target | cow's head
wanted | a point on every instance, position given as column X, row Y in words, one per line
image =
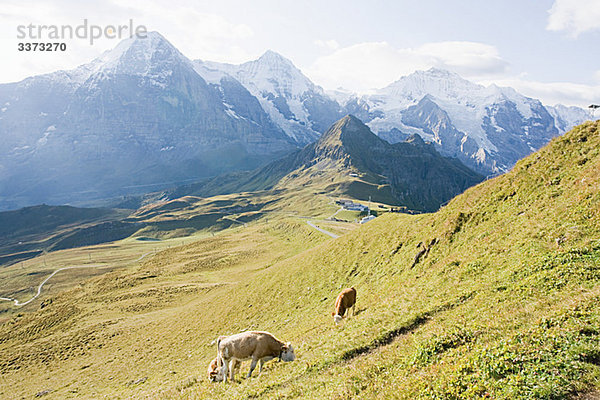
column 214, row 372
column 215, row 376
column 287, row 352
column 337, row 319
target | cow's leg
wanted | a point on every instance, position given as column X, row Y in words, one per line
column 353, row 309
column 252, row 366
column 236, row 365
column 260, row 364
column 224, row 370
column 233, row 365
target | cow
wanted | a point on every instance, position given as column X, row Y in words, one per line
column 215, row 366
column 345, row 300
column 257, row 346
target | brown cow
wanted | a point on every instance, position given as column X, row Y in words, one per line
column 258, row 346
column 345, row 300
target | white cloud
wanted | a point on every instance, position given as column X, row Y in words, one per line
column 330, row 44
column 360, row 67
column 196, row 34
column 574, row 16
column 370, row 65
column 366, row 66
column 551, row 93
column 469, row 59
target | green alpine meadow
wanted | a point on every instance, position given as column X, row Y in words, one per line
column 495, row 295
column 299, row 200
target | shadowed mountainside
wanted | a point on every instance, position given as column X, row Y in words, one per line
column 349, row 159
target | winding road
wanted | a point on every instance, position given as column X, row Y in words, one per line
column 336, row 213
column 333, row 235
column 39, row 289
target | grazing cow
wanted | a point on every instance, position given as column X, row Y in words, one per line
column 258, row 346
column 215, row 366
column 345, row 300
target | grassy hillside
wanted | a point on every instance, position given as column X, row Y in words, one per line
column 497, row 295
column 31, row 230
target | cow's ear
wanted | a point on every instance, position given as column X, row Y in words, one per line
column 284, row 347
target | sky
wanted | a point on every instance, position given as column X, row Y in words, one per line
column 546, row 49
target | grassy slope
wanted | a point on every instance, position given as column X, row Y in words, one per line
column 38, row 228
column 505, row 304
column 35, row 230
column 31, row 220
column 94, row 338
column 497, row 307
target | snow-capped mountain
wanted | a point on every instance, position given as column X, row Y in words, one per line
column 298, row 106
column 134, row 119
column 488, row 128
column 142, row 116
column 567, row 117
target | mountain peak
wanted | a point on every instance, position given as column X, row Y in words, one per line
column 406, row 171
column 135, row 55
column 350, row 133
column 439, row 72
column 435, row 82
column 275, row 74
column 152, row 41
column 350, row 119
column 350, row 122
column 274, row 63
column 271, row 56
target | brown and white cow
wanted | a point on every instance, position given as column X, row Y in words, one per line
column 215, row 366
column 345, row 300
column 257, row 346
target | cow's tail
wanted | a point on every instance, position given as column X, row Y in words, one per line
column 219, row 355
